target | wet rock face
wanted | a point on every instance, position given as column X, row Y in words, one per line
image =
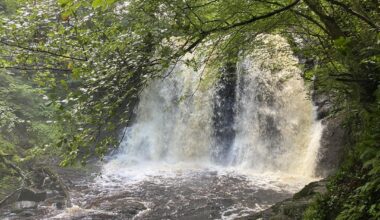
column 334, row 140
column 294, row 208
column 28, row 202
column 22, row 204
column 121, row 208
column 112, row 208
column 323, row 104
column 224, row 113
column 335, row 137
column 28, row 194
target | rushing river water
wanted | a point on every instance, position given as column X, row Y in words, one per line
column 180, row 193
column 221, row 150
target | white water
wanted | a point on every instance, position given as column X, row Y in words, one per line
column 173, row 123
column 170, row 162
column 274, row 120
column 275, row 127
column 171, row 147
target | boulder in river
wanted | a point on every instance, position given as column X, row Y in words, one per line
column 293, row 208
column 47, row 190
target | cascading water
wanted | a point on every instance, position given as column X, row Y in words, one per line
column 173, row 122
column 217, row 151
column 274, row 119
column 258, row 119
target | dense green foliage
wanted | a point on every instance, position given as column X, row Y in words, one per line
column 27, row 130
column 25, row 120
column 94, row 57
column 95, row 60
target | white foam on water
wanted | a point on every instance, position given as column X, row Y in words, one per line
column 237, row 211
column 113, row 176
column 172, row 140
column 78, row 212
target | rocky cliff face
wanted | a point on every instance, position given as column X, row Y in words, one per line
column 224, row 113
column 335, row 137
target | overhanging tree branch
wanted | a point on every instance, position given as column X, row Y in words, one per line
column 256, row 18
column 35, row 50
column 200, row 6
column 253, row 19
column 307, row 17
column 330, row 23
column 25, row 179
column 34, row 68
column 358, row 15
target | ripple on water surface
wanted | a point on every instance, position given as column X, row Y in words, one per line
column 179, row 192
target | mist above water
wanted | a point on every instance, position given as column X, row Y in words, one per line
column 258, row 118
column 219, row 149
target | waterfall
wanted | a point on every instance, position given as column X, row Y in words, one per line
column 174, row 121
column 257, row 116
column 274, row 119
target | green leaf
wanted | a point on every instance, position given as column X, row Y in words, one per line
column 98, row 3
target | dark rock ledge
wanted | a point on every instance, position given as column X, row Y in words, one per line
column 47, row 189
column 293, row 208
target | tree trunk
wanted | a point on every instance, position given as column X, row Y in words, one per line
column 332, row 27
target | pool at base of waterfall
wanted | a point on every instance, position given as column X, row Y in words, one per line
column 178, row 192
column 255, row 118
